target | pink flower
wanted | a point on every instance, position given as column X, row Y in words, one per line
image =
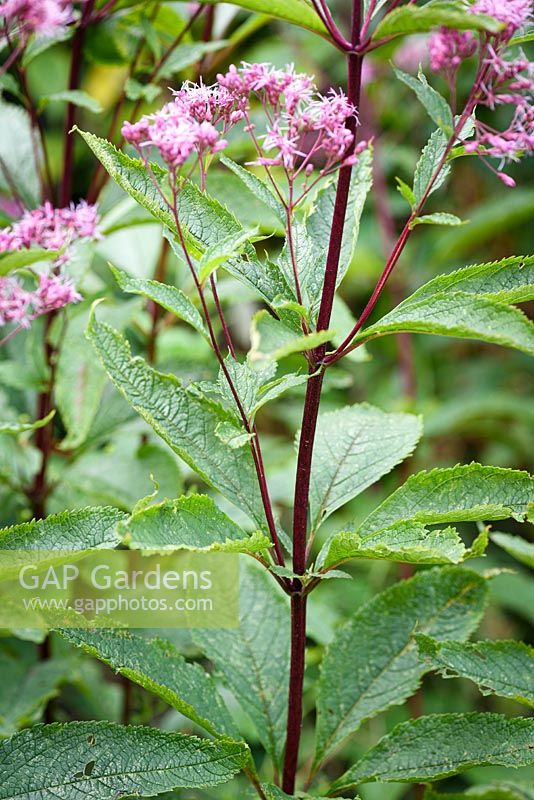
column 19, row 306
column 42, row 17
column 514, row 13
column 51, row 228
column 53, row 292
column 448, row 48
column 14, row 302
column 190, row 125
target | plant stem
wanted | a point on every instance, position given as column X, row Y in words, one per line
column 309, row 426
column 44, row 437
column 296, row 679
column 70, row 118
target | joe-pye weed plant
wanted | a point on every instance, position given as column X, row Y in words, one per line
column 313, row 171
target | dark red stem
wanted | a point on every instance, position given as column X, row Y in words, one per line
column 309, row 426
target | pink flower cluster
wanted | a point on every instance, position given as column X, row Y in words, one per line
column 194, row 123
column 500, row 82
column 43, row 17
column 48, row 228
column 51, row 229
column 21, row 306
column 448, row 48
column 301, row 124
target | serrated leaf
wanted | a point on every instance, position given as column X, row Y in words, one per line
column 85, row 529
column 258, row 187
column 132, row 176
column 458, row 314
column 168, row 297
column 436, row 106
column 410, row 543
column 372, row 663
column 299, row 12
column 439, row 218
column 158, row 667
column 516, row 547
column 271, row 340
column 20, row 427
column 465, row 493
column 223, row 251
column 74, row 96
column 184, row 421
column 192, row 522
column 102, row 759
column 510, row 280
column 434, row 747
column 253, row 659
column 421, row 19
column 502, row 668
column 354, row 447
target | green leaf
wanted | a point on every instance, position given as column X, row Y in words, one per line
column 102, row 759
column 516, row 547
column 185, row 55
column 192, row 522
column 184, row 421
column 502, row 668
column 439, row 218
column 74, row 96
column 510, row 280
column 299, row 12
column 432, row 158
column 159, row 668
column 134, row 90
column 224, row 251
column 407, row 542
column 434, row 747
column 19, row 150
column 258, row 187
column 437, row 107
column 372, row 663
column 88, row 528
column 450, row 13
column 25, row 258
column 20, row 427
column 168, row 297
column 405, row 190
column 396, row 529
column 132, row 176
column 466, row 493
column 36, row 684
column 272, row 340
column 459, row 314
column 253, row 659
column 354, row 447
